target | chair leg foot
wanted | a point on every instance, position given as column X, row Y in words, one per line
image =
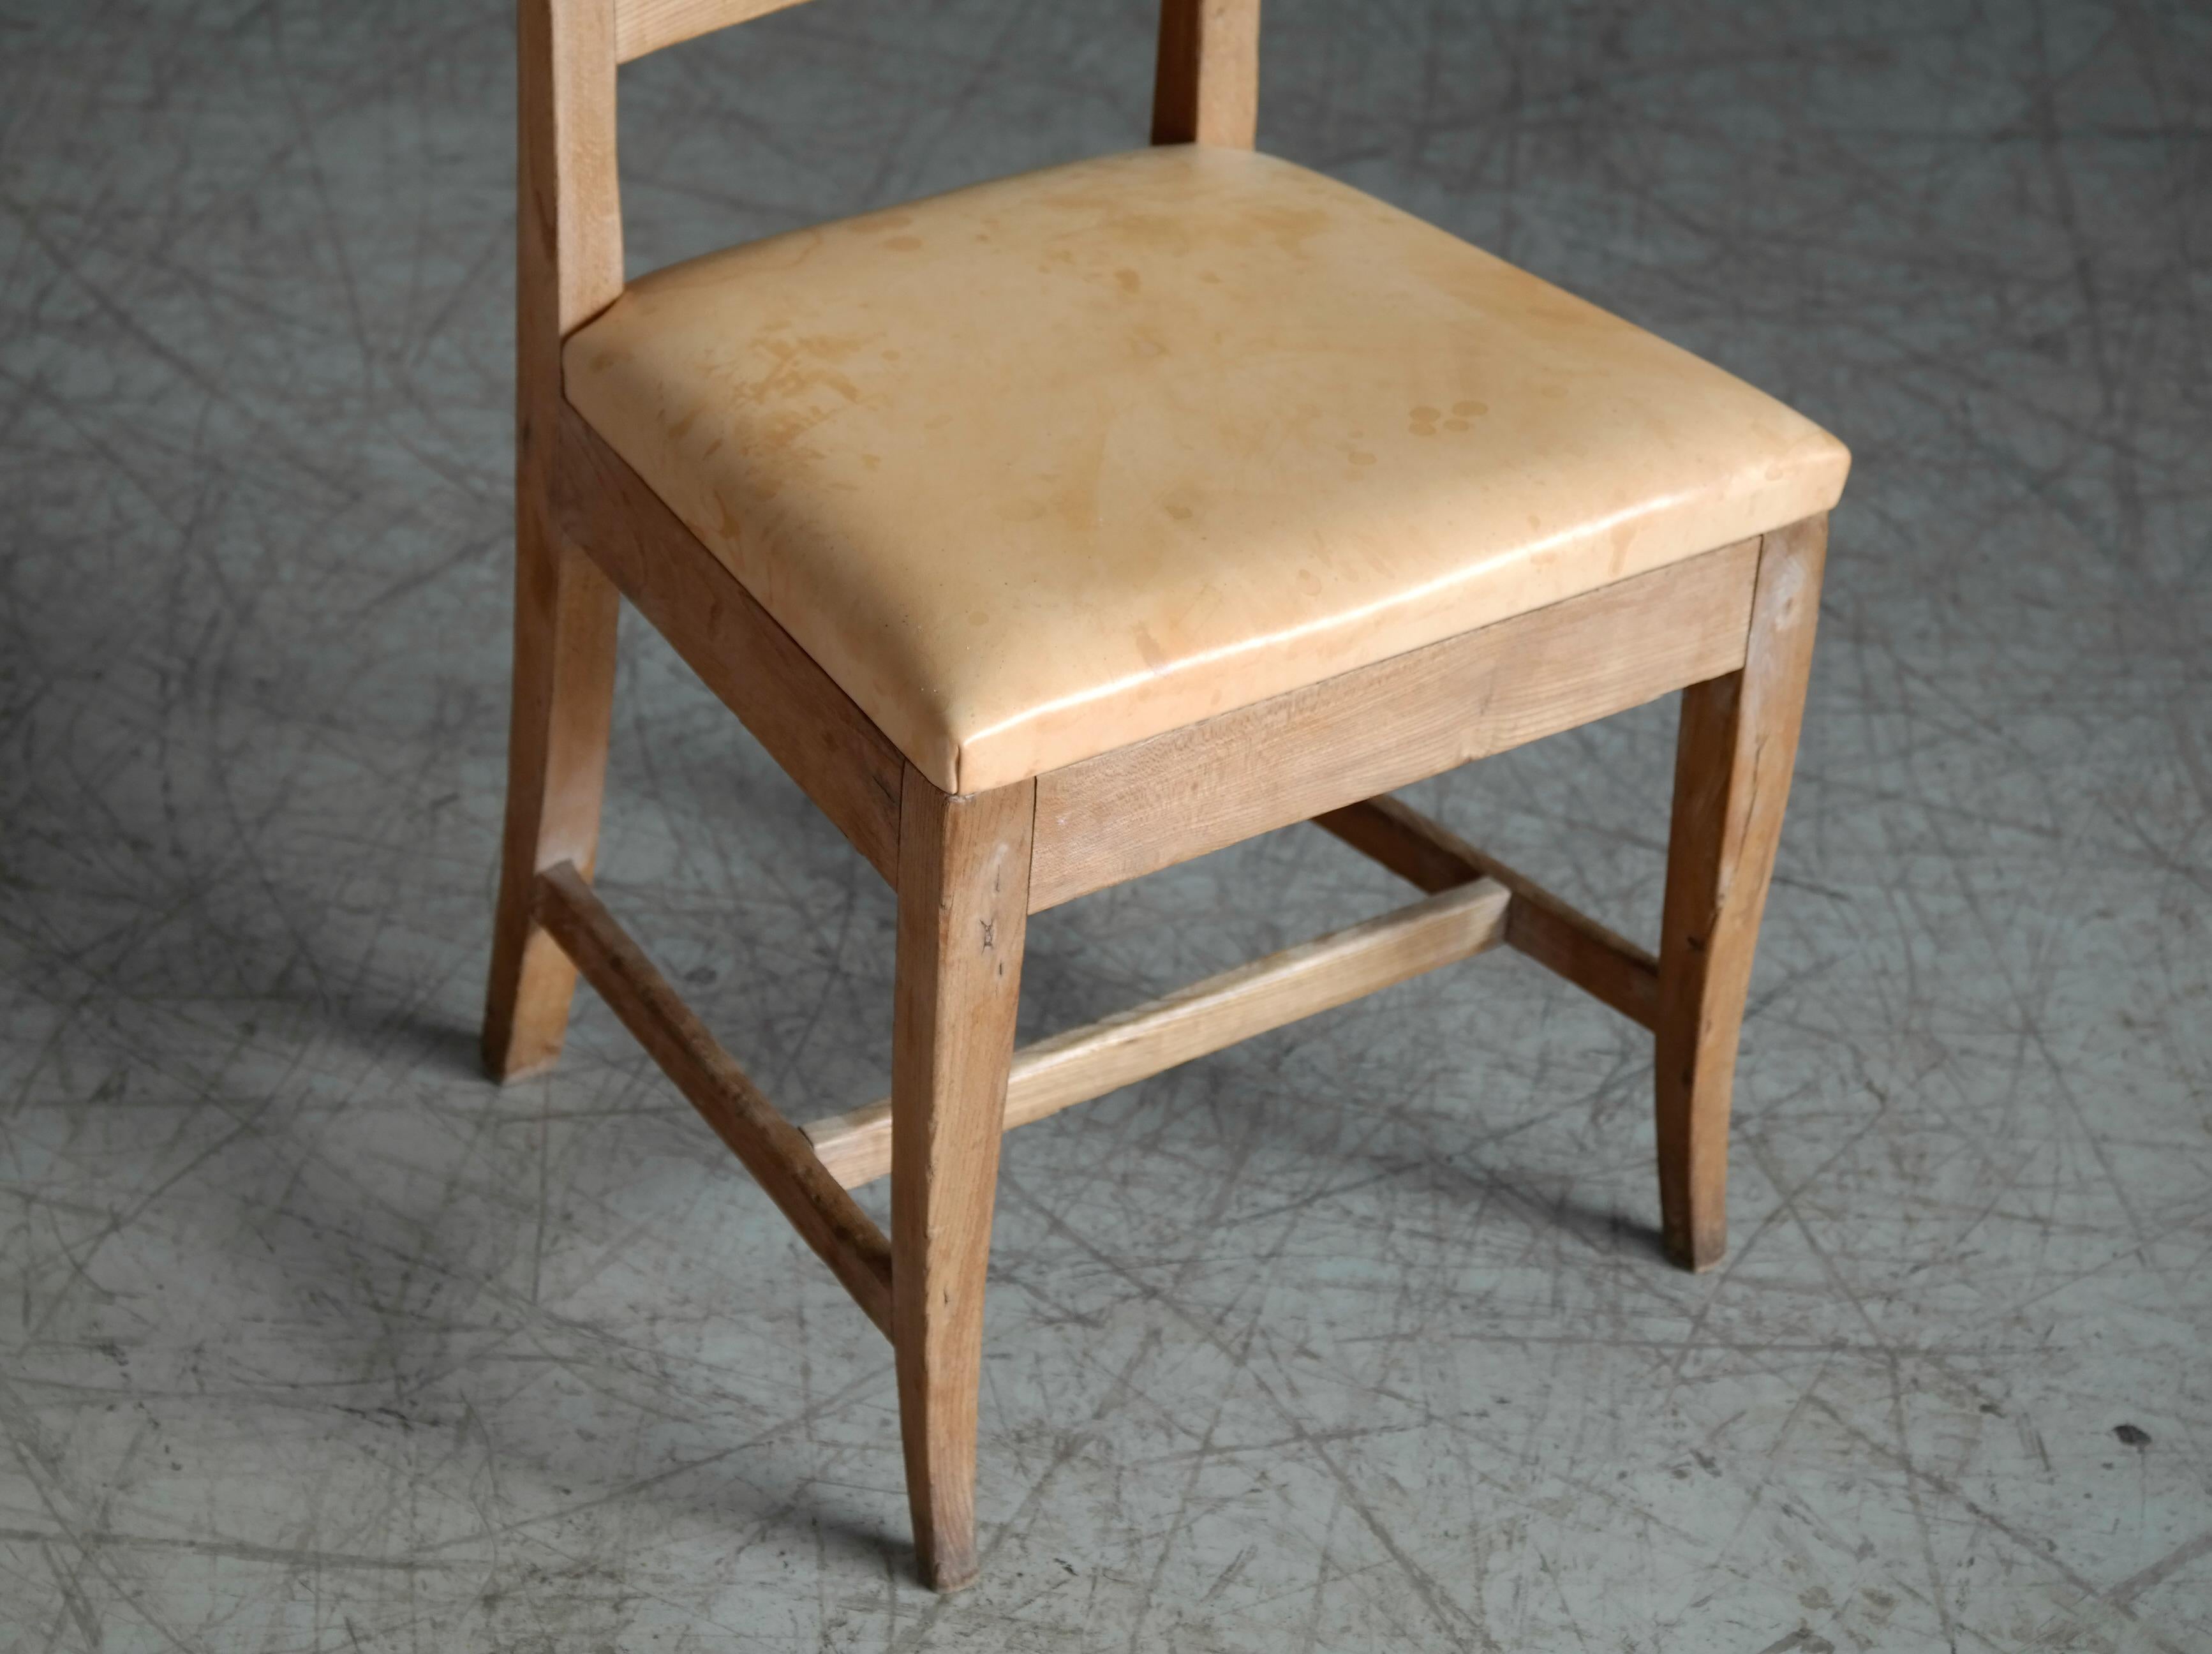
column 1737, row 747
column 1696, row 1250
column 565, row 619
column 962, row 916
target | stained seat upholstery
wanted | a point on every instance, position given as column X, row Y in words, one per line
column 1045, row 466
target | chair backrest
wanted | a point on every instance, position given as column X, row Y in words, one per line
column 1205, row 90
column 569, row 222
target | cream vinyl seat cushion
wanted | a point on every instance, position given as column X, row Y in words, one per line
column 1045, row 466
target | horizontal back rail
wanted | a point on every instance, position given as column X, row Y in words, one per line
column 643, row 27
column 1140, row 808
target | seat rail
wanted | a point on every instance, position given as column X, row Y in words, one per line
column 1289, row 758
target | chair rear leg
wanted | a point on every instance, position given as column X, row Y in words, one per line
column 963, row 914
column 565, row 618
column 1732, row 767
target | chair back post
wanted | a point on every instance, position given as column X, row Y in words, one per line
column 1207, row 87
column 568, row 213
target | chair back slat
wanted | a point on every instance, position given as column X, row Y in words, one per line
column 645, row 25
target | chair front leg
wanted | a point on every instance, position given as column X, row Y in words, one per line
column 962, row 914
column 1732, row 761
column 565, row 615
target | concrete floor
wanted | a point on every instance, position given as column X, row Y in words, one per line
column 1352, row 1338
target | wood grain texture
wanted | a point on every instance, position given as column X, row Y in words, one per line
column 962, row 918
column 1734, row 757
column 569, row 217
column 779, row 1157
column 1290, row 758
column 566, row 618
column 1561, row 937
column 1205, row 86
column 808, row 726
column 569, row 267
column 1081, row 1063
column 645, row 25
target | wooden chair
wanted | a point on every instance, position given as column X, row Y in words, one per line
column 1055, row 531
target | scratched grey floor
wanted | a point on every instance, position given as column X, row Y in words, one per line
column 1352, row 1339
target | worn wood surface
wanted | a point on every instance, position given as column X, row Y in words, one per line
column 569, row 216
column 777, row 1154
column 1205, row 86
column 1734, row 757
column 1080, row 1063
column 645, row 25
column 1557, row 935
column 810, row 726
column 379, row 1315
column 962, row 918
column 1291, row 757
column 569, row 267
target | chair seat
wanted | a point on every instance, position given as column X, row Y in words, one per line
column 1045, row 466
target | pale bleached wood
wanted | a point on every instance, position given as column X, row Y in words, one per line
column 565, row 623
column 569, row 268
column 777, row 1154
column 1734, row 758
column 1080, row 1063
column 645, row 25
column 1561, row 937
column 970, row 869
column 1205, row 83
column 569, row 217
column 962, row 918
column 1146, row 807
column 808, row 726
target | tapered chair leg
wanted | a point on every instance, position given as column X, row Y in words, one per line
column 565, row 618
column 1732, row 766
column 962, row 914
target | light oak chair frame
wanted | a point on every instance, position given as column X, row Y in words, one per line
column 1732, row 629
